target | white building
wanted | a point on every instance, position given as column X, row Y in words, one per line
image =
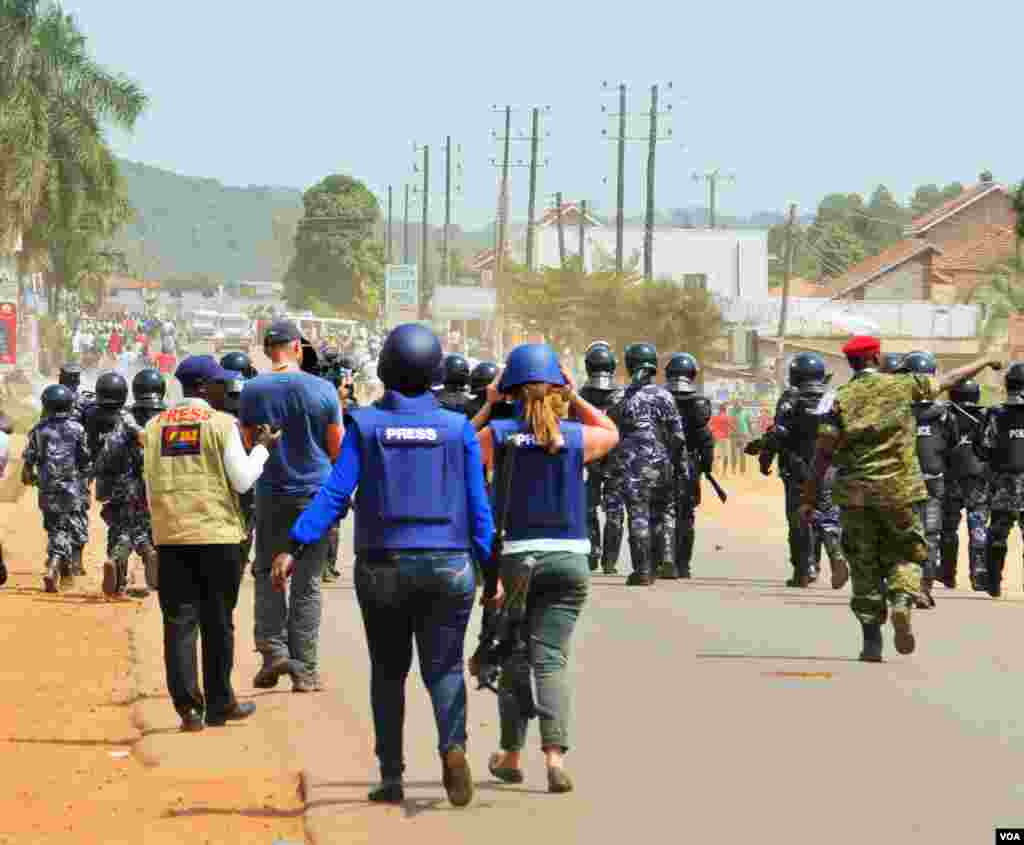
column 729, row 263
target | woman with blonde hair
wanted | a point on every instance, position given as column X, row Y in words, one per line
column 540, row 491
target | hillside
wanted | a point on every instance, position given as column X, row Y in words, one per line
column 187, row 226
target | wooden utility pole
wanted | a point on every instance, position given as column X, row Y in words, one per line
column 424, row 256
column 446, row 271
column 649, row 222
column 620, row 200
column 405, row 227
column 389, row 254
column 780, row 355
column 503, row 198
column 534, row 144
column 561, row 230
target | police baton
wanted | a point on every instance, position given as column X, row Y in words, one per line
column 719, row 491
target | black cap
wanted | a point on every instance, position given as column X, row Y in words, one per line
column 282, row 331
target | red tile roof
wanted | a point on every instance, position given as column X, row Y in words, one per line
column 921, row 224
column 862, row 274
column 996, row 244
column 802, row 287
column 550, row 217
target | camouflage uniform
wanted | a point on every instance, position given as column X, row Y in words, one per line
column 596, row 475
column 967, row 488
column 695, row 411
column 80, row 521
column 826, row 521
column 878, row 482
column 59, row 455
column 640, row 477
column 125, row 510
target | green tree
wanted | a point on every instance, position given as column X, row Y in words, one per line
column 885, row 220
column 59, row 182
column 926, row 198
column 837, row 248
column 952, row 191
column 337, row 262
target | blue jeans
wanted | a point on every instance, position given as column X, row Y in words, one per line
column 427, row 596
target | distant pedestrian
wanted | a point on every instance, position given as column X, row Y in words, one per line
column 721, row 425
column 740, row 436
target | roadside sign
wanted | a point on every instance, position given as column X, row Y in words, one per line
column 401, row 294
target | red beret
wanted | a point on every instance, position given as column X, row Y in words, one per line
column 861, row 346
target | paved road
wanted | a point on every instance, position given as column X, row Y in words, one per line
column 724, row 709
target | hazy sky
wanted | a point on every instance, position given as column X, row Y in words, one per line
column 797, row 98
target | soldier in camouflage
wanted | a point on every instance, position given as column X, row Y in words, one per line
column 695, row 411
column 870, row 435
column 967, row 489
column 641, row 470
column 119, row 475
column 602, row 392
column 935, row 440
column 56, row 459
column 1002, row 446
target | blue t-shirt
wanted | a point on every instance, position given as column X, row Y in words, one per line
column 302, row 406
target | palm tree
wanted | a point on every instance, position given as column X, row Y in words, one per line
column 58, row 178
column 1002, row 299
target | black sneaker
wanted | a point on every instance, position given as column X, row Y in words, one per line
column 241, row 710
column 388, row 791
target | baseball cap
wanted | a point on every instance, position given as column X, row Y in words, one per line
column 200, row 368
column 282, row 331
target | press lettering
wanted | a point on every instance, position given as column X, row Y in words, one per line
column 524, row 440
column 410, row 435
column 1016, row 433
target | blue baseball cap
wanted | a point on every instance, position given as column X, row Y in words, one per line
column 200, row 368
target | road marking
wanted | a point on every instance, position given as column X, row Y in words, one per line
column 827, row 676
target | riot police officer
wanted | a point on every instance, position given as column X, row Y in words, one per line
column 57, row 458
column 967, row 488
column 935, row 440
column 70, row 376
column 602, row 392
column 695, row 410
column 1002, row 446
column 641, row 470
column 891, row 362
column 455, row 393
column 414, row 575
column 792, row 439
column 480, row 378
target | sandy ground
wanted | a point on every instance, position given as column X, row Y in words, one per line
column 70, row 714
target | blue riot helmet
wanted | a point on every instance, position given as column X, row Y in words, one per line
column 531, row 363
column 966, row 392
column 922, row 363
column 483, row 375
column 600, row 364
column 891, row 362
column 58, row 399
column 410, row 359
column 680, row 373
column 641, row 356
column 806, row 368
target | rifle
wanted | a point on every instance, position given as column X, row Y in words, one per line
column 723, row 497
column 502, row 651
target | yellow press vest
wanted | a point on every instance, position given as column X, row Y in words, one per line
column 191, row 500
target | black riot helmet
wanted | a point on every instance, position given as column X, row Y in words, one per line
column 641, row 356
column 58, row 399
column 681, row 372
column 922, row 363
column 238, row 362
column 600, row 364
column 966, row 392
column 111, row 390
column 483, row 374
column 1014, row 381
column 70, row 376
column 891, row 362
column 456, row 371
column 409, row 359
column 148, row 389
column 806, row 368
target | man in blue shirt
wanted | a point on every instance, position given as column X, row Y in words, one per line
column 306, row 409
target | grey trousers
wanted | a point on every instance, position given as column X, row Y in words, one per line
column 287, row 624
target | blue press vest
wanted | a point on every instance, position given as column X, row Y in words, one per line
column 412, row 487
column 548, row 497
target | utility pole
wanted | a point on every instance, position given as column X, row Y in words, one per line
column 424, row 256
column 534, row 140
column 389, row 254
column 561, row 230
column 620, row 200
column 713, row 177
column 583, row 234
column 446, row 273
column 405, row 227
column 780, row 355
column 499, row 249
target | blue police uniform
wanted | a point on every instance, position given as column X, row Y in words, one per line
column 421, row 512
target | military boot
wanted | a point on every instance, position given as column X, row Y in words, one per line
column 77, row 567
column 948, row 553
column 872, row 651
column 594, row 562
column 67, row 575
column 903, row 632
column 684, row 552
column 641, row 575
column 109, row 585
column 612, row 548
column 662, row 553
column 996, row 559
column 978, row 570
column 51, row 578
column 151, row 566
